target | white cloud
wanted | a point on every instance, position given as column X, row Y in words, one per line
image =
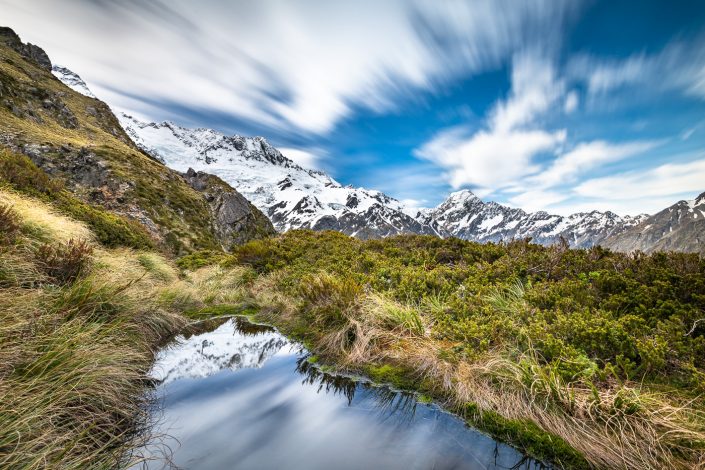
column 488, row 160
column 665, row 180
column 289, row 65
column 571, row 102
column 305, row 158
column 535, row 200
column 585, row 156
column 498, row 156
column 678, row 66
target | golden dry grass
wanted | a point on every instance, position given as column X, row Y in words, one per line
column 39, row 215
column 74, row 358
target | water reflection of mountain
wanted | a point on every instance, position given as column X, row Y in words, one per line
column 235, row 344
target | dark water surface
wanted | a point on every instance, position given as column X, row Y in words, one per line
column 242, row 396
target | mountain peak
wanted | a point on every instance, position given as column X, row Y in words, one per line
column 461, row 196
column 700, row 199
column 72, row 80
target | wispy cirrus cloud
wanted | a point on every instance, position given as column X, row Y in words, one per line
column 678, row 66
column 501, row 159
column 664, row 180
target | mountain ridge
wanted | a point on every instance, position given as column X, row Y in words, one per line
column 297, row 197
column 290, row 195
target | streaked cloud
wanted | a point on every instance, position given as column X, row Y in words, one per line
column 678, row 66
column 290, row 65
column 664, row 180
column 586, row 156
column 305, row 158
column 517, row 100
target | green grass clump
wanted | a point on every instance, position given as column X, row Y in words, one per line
column 200, row 259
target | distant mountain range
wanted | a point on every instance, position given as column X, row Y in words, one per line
column 296, row 197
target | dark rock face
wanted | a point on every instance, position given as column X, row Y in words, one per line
column 28, row 51
column 235, row 220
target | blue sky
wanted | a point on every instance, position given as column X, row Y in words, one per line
column 554, row 105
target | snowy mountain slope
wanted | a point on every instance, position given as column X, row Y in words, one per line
column 72, row 80
column 680, row 227
column 291, row 196
column 466, row 216
column 294, row 197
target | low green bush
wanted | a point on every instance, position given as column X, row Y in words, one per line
column 593, row 314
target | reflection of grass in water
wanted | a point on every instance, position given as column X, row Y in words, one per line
column 336, row 384
column 387, row 402
column 392, row 403
column 247, row 328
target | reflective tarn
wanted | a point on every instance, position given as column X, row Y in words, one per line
column 243, row 396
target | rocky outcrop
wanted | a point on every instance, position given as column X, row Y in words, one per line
column 29, row 51
column 235, row 220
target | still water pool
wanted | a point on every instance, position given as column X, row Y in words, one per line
column 242, row 396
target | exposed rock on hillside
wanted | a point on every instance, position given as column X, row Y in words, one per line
column 29, row 51
column 235, row 220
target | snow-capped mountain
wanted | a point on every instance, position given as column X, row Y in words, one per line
column 72, row 80
column 680, row 227
column 291, row 196
column 466, row 216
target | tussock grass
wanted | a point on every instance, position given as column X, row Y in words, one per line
column 43, row 220
column 9, row 225
column 78, row 328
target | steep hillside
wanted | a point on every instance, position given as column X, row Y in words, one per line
column 78, row 142
column 680, row 227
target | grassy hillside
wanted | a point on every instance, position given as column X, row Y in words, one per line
column 552, row 349
column 78, row 141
